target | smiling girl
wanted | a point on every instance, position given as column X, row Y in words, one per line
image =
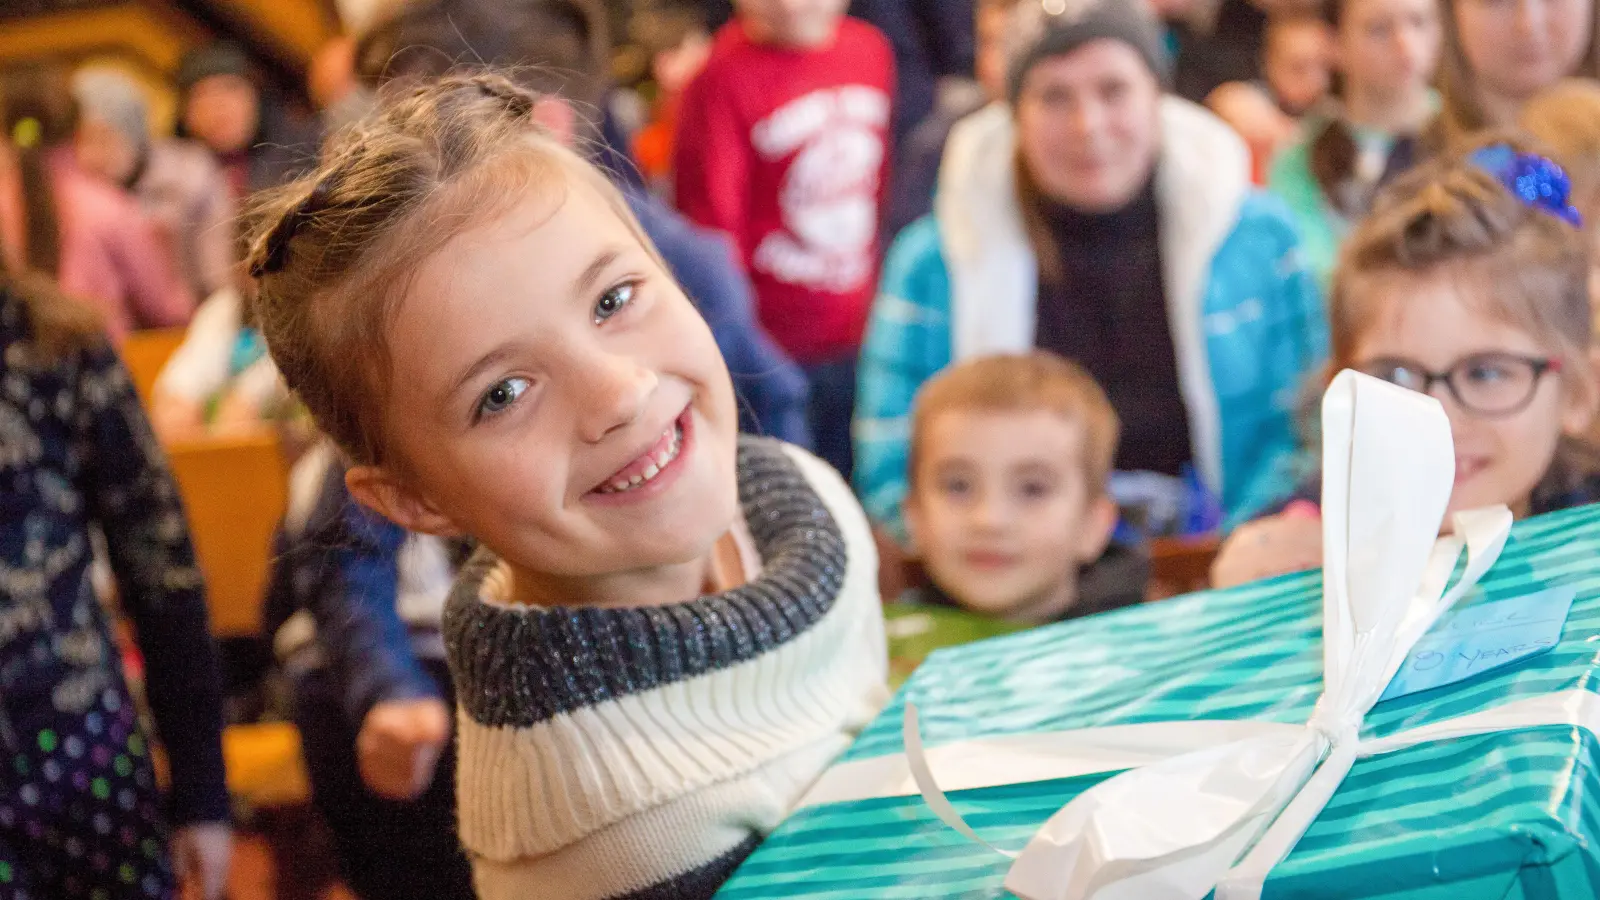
column 670, row 629
column 1457, row 287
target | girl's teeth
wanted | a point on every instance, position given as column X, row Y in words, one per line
column 660, row 462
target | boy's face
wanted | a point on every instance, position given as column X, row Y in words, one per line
column 105, row 151
column 1002, row 514
column 223, row 111
column 991, row 22
column 802, row 24
column 557, row 397
column 1298, row 64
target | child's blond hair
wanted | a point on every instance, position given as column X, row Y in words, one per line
column 1022, row 383
column 335, row 251
column 1526, row 267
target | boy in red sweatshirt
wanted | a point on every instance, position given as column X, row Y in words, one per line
column 784, row 144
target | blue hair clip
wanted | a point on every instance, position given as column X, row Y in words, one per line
column 1537, row 182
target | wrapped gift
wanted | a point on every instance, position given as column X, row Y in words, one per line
column 1235, row 739
column 916, row 630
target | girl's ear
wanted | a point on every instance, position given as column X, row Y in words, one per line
column 381, row 492
column 1583, row 397
column 558, row 117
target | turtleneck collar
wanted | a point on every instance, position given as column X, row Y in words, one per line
column 1140, row 216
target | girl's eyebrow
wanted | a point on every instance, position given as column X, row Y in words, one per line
column 488, row 361
column 587, row 278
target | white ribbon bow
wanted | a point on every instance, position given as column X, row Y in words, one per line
column 1176, row 829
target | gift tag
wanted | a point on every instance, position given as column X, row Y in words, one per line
column 1483, row 636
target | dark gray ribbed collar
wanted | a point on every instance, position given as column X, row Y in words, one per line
column 519, row 666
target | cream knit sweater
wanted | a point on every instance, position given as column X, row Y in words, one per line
column 643, row 753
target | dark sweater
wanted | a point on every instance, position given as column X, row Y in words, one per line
column 1109, row 313
column 75, row 452
column 652, row 747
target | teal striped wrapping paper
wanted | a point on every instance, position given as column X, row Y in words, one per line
column 1512, row 814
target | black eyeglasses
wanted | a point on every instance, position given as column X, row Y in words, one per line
column 1485, row 384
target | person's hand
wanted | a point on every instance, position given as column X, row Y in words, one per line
column 1251, row 113
column 1276, row 545
column 399, row 746
column 201, row 855
column 175, row 418
column 236, row 412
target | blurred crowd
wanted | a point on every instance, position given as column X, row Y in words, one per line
column 1049, row 282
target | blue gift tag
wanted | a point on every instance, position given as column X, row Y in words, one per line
column 1483, row 636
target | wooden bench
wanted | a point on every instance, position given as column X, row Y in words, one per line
column 1181, row 565
column 235, row 489
column 145, row 353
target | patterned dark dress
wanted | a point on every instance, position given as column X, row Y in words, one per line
column 80, row 812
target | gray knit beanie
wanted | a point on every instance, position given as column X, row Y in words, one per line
column 115, row 99
column 1041, row 29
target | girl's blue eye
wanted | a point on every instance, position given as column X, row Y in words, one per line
column 500, row 397
column 613, row 301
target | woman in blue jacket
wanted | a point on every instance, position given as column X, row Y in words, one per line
column 1095, row 217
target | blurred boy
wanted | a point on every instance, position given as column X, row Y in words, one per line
column 790, row 123
column 1297, row 73
column 1008, row 509
column 1297, row 62
column 674, row 34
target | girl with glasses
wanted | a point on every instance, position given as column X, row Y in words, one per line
column 1468, row 282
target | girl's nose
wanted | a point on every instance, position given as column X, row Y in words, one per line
column 618, row 393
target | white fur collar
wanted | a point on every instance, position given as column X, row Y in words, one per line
column 1202, row 178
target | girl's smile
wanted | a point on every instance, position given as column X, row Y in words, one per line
column 564, row 403
column 1504, row 448
column 653, row 471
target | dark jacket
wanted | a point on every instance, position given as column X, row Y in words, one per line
column 342, row 566
column 932, row 39
column 916, row 169
column 77, row 452
column 1230, row 52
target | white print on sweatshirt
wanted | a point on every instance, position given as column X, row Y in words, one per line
column 829, row 197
